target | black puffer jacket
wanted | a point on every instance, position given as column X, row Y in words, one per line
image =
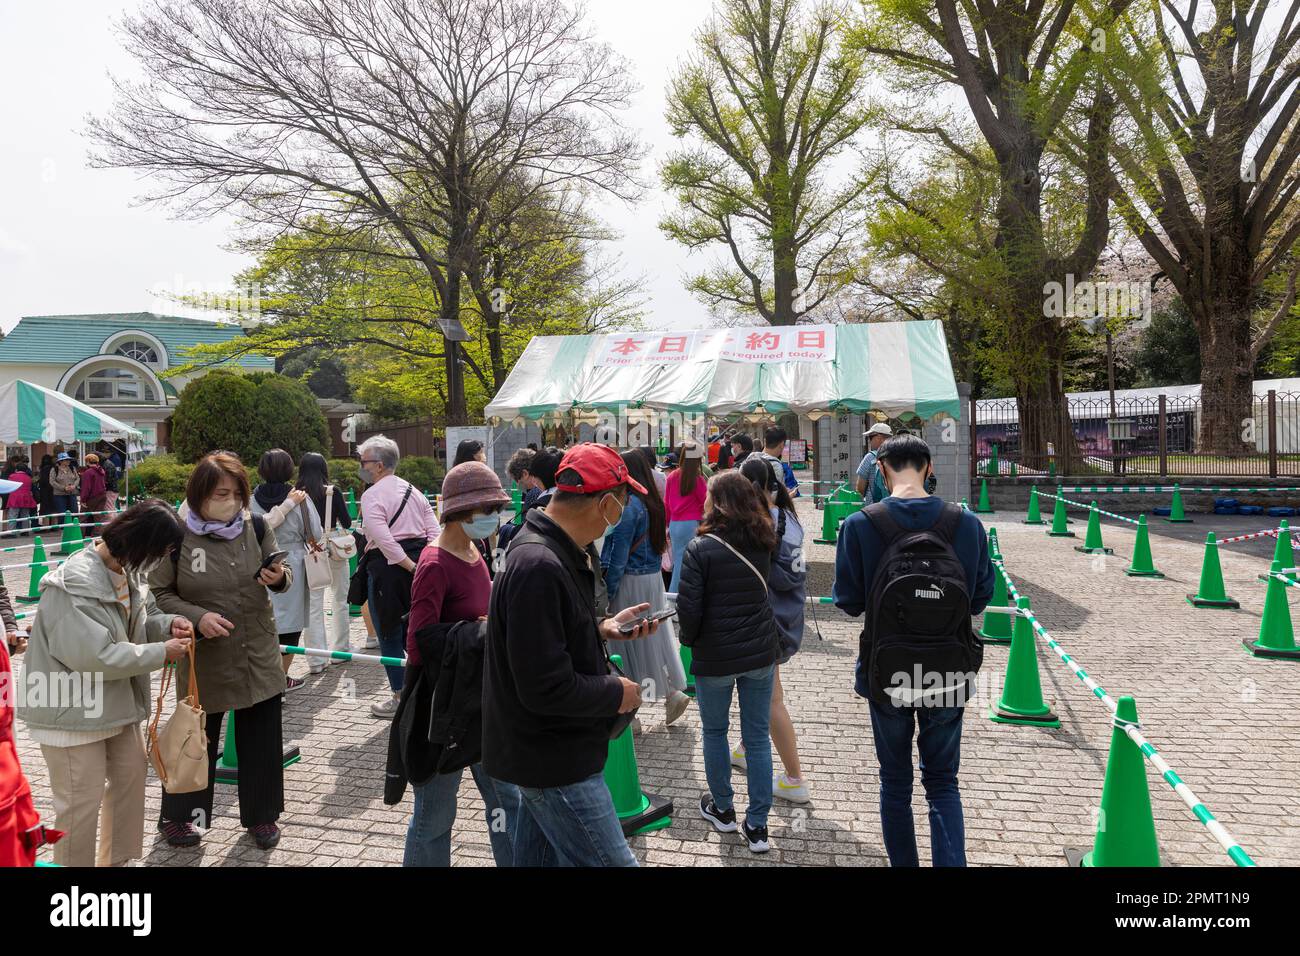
column 723, row 613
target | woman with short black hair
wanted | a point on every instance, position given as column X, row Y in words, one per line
column 471, row 449
column 96, row 624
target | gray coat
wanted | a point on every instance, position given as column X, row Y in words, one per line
column 291, row 606
column 243, row 668
column 82, row 637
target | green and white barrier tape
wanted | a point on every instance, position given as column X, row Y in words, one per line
column 1088, row 507
column 1199, row 809
column 344, row 656
column 1168, row 489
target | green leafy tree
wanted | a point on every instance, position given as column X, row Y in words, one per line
column 768, row 101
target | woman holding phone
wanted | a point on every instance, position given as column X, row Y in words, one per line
column 218, row 582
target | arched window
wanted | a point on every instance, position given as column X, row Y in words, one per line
column 139, row 350
column 115, row 384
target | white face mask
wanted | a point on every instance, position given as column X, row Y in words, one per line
column 224, row 510
column 481, row 526
column 609, row 528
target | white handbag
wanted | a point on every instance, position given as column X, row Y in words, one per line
column 315, row 560
column 179, row 752
column 341, row 545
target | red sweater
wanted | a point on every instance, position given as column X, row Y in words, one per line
column 93, row 484
column 445, row 590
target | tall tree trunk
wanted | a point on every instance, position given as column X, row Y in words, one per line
column 785, row 282
column 457, row 409
column 1227, row 379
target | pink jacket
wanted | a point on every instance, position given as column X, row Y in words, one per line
column 22, row 498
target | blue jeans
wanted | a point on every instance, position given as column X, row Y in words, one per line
column 713, row 695
column 939, row 743
column 24, row 519
column 392, row 644
column 680, row 533
column 428, row 838
column 573, row 825
column 65, row 503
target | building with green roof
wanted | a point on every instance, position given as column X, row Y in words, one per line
column 116, row 361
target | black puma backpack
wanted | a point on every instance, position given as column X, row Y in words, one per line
column 918, row 641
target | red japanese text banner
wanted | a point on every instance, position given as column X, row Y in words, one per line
column 804, row 343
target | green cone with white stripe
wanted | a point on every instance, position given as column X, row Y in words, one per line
column 1276, row 633
column 1126, row 828
column 1022, row 691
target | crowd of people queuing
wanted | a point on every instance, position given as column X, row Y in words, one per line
column 59, row 486
column 528, row 645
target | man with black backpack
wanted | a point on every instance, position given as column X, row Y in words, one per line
column 919, row 568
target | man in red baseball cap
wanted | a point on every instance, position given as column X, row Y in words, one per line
column 550, row 701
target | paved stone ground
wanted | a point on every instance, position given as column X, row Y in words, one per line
column 1224, row 720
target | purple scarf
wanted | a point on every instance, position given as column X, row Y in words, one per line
column 226, row 532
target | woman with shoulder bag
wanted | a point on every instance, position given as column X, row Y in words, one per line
column 219, row 580
column 299, row 533
column 98, row 632
column 332, row 510
column 725, row 618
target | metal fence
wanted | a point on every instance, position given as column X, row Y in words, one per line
column 1158, row 435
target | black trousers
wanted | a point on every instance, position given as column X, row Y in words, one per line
column 259, row 746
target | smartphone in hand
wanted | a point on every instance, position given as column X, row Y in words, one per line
column 275, row 557
column 660, row 615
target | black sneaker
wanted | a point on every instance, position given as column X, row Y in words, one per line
column 267, row 835
column 757, row 837
column 724, row 821
column 179, row 834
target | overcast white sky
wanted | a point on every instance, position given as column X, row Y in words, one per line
column 74, row 239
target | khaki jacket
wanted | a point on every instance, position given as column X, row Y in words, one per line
column 243, row 668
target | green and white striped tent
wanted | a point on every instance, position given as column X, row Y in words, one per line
column 885, row 367
column 30, row 413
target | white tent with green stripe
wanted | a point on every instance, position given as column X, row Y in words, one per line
column 30, row 413
column 884, row 367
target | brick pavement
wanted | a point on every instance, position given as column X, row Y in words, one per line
column 1224, row 720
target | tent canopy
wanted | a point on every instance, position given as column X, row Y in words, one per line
column 30, row 413
column 885, row 367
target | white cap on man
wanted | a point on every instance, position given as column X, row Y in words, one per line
column 879, row 428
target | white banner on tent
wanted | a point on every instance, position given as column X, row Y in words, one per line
column 803, row 343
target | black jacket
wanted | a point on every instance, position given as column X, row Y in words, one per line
column 548, row 698
column 438, row 725
column 723, row 614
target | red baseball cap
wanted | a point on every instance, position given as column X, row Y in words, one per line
column 599, row 468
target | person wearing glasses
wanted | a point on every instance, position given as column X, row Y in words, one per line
column 398, row 522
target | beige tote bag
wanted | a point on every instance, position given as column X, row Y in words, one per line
column 315, row 559
column 179, row 752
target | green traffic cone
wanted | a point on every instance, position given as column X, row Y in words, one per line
column 830, row 522
column 1126, row 829
column 228, row 757
column 1176, row 514
column 997, row 627
column 984, row 508
column 354, row 610
column 1051, row 467
column 72, row 540
column 39, row 568
column 638, row 812
column 1035, row 516
column 687, row 657
column 993, row 461
column 1210, row 592
column 1283, row 556
column 1276, row 636
column 516, row 498
column 1142, row 566
column 1059, row 520
column 1022, row 693
column 1092, row 540
column 995, row 550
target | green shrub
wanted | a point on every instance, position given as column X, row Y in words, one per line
column 343, row 473
column 425, row 473
column 247, row 414
column 159, row 476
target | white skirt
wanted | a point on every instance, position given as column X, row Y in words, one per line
column 654, row 662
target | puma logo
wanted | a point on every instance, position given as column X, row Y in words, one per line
column 932, row 593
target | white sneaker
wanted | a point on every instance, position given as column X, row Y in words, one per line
column 636, row 727
column 385, row 708
column 738, row 758
column 676, row 706
column 794, row 791
column 372, row 641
